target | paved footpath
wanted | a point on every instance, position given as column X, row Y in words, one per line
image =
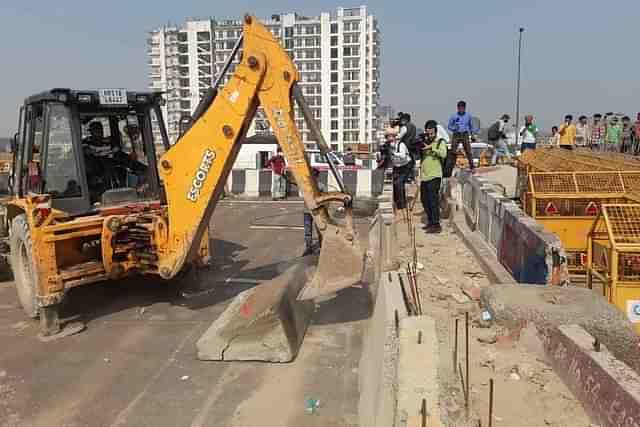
column 135, row 364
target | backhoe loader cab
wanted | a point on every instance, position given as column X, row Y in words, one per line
column 79, row 158
column 88, row 149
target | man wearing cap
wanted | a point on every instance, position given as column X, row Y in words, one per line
column 528, row 133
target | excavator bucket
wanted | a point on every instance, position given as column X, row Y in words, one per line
column 340, row 265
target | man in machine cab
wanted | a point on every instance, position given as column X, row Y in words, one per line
column 108, row 167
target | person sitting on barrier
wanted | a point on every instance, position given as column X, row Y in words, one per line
column 434, row 153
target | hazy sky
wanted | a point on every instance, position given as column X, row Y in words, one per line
column 579, row 55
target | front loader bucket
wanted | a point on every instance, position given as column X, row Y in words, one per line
column 340, row 265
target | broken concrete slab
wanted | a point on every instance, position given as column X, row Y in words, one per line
column 472, row 290
column 607, row 388
column 459, row 298
column 266, row 323
column 549, row 307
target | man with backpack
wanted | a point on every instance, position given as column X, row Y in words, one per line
column 402, row 170
column 498, row 139
column 434, row 159
column 407, row 135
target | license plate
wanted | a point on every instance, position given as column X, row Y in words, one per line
column 113, row 96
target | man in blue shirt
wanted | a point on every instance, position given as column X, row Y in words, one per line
column 462, row 127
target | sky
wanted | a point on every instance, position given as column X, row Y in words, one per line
column 579, row 56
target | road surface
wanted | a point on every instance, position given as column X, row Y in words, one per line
column 135, row 363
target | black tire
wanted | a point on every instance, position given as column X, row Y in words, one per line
column 24, row 271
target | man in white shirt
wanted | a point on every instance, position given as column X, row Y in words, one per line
column 528, row 133
column 582, row 132
column 498, row 139
column 402, row 170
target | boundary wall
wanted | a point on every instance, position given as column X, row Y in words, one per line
column 527, row 251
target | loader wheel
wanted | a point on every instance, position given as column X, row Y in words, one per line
column 24, row 272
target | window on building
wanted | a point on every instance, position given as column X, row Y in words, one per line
column 334, row 77
column 351, row 51
column 183, row 60
column 334, row 113
column 288, row 32
column 288, row 44
column 334, row 40
column 334, row 138
column 334, row 89
column 334, row 125
column 185, row 105
column 334, row 53
column 334, row 65
column 182, row 36
column 184, row 82
column 334, row 101
column 334, row 28
column 202, row 36
column 185, row 93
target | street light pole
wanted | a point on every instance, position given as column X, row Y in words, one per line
column 518, row 88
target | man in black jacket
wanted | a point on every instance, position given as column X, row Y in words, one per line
column 407, row 136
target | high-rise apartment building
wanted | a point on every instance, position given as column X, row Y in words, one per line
column 337, row 54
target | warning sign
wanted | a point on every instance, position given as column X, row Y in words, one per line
column 633, row 310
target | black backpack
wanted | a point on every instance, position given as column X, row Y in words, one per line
column 494, row 132
column 449, row 161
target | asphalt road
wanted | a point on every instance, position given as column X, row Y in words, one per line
column 135, row 363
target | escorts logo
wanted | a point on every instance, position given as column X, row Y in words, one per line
column 201, row 175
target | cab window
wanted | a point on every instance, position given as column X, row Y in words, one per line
column 61, row 176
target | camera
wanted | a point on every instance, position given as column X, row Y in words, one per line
column 396, row 122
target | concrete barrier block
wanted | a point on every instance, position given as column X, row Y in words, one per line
column 418, row 372
column 252, row 187
column 608, row 389
column 377, row 181
column 265, row 323
column 363, row 183
column 375, row 250
column 378, row 363
column 265, row 182
column 238, row 181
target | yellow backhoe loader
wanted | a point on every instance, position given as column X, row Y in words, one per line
column 92, row 202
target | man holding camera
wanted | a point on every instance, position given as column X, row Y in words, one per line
column 463, row 129
column 407, row 136
column 434, row 153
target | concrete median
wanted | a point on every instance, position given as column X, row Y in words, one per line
column 265, row 323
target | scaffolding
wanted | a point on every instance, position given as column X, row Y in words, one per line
column 614, row 257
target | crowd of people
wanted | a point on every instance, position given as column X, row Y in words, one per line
column 427, row 153
column 609, row 133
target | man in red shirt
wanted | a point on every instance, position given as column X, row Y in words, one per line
column 278, row 165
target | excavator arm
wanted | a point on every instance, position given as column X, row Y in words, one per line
column 195, row 169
